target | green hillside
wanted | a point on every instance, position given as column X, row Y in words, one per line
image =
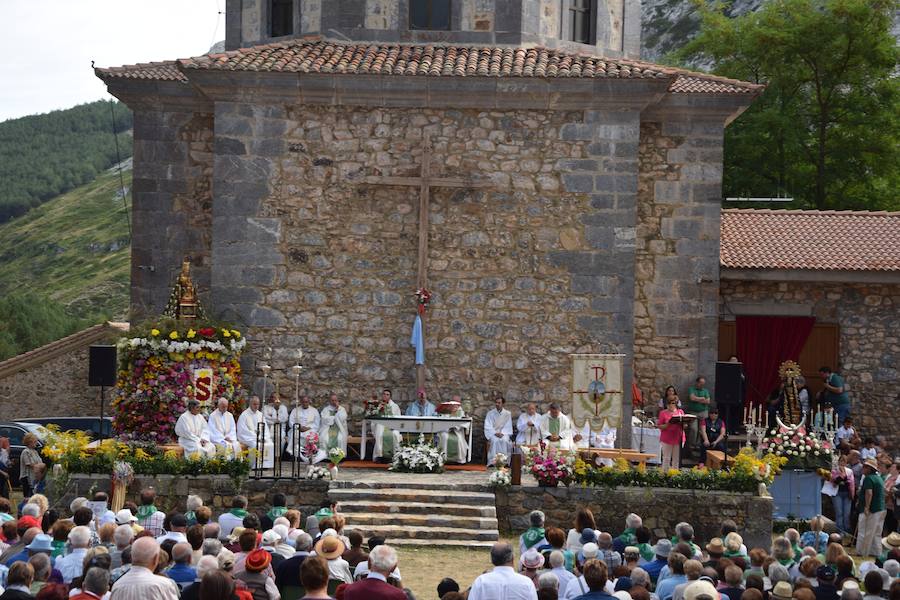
column 71, row 254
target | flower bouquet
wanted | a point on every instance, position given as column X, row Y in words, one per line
column 376, row 407
column 317, row 472
column 420, row 457
column 122, row 476
column 551, row 469
column 311, row 446
column 802, row 450
column 500, row 460
column 335, row 456
column 501, row 478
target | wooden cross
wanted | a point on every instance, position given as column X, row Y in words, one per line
column 425, row 181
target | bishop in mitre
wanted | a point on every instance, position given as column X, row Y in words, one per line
column 498, row 429
column 453, row 442
column 192, row 431
column 333, row 429
column 303, row 421
column 223, row 430
column 556, row 429
column 386, row 439
column 276, row 412
column 253, row 434
column 529, row 426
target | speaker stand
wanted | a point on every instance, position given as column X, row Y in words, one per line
column 102, row 398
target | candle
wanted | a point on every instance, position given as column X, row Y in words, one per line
column 747, row 414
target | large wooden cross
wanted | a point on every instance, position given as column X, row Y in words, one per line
column 425, row 181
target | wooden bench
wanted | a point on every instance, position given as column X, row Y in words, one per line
column 715, row 459
column 591, row 454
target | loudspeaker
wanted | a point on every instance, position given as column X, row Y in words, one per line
column 102, row 366
column 729, row 384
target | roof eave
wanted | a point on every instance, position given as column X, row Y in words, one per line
column 810, row 275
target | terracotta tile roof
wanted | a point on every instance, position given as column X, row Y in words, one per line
column 809, row 239
column 157, row 71
column 67, row 345
column 323, row 56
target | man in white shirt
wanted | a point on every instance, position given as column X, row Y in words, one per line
column 498, row 429
column 222, row 429
column 276, row 412
column 177, row 529
column 529, row 426
column 502, row 581
column 421, row 407
column 306, row 420
column 139, row 583
column 558, row 568
column 556, row 428
column 234, row 518
column 248, row 428
column 333, row 432
column 386, row 439
column 193, row 431
column 72, row 564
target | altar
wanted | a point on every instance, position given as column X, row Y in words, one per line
column 418, row 425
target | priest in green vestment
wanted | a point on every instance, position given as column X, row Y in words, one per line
column 386, row 439
column 556, row 429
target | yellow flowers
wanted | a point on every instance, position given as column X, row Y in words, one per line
column 226, row 333
column 236, row 333
column 154, row 332
column 173, row 335
column 191, row 334
column 673, row 472
column 141, row 454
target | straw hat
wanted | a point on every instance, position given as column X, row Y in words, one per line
column 532, row 559
column 871, row 463
column 330, row 547
column 782, row 591
column 891, row 542
column 715, row 546
column 257, row 560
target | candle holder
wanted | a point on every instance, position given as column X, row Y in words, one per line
column 296, row 369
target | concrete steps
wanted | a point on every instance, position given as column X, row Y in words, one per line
column 427, row 515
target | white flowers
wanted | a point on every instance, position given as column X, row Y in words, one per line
column 418, row 458
column 500, row 460
column 317, row 472
column 500, row 479
column 234, row 346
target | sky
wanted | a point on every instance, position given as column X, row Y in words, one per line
column 48, row 45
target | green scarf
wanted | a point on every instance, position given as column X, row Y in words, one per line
column 277, row 511
column 145, row 511
column 323, row 513
column 191, row 517
column 59, row 548
column 533, row 536
column 628, row 538
column 238, row 512
column 646, row 552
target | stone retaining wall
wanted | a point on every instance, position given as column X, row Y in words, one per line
column 660, row 508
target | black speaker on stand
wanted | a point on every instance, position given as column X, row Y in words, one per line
column 102, row 373
column 730, row 393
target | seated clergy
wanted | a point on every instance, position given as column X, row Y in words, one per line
column 498, row 429
column 192, row 431
column 529, row 426
column 556, row 428
column 250, row 426
column 386, row 439
column 303, row 422
column 222, row 429
column 453, row 443
column 421, row 407
column 581, row 437
column 333, row 431
column 276, row 412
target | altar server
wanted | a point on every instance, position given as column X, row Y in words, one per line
column 248, row 426
column 333, row 432
column 453, row 443
column 556, row 428
column 306, row 419
column 498, row 429
column 222, row 429
column 192, row 431
column 421, row 407
column 529, row 426
column 387, row 440
column 276, row 412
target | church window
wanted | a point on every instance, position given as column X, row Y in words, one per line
column 577, row 21
column 281, row 17
column 429, row 14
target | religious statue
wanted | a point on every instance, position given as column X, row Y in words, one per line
column 184, row 304
column 790, row 372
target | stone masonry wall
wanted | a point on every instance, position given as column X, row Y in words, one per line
column 172, row 211
column 661, row 509
column 869, row 342
column 677, row 269
column 539, row 266
column 55, row 388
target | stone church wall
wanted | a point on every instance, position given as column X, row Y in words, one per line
column 55, row 388
column 677, row 272
column 869, row 347
column 309, row 256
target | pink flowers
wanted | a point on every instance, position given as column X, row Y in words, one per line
column 549, row 470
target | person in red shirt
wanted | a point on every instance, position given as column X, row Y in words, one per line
column 671, row 435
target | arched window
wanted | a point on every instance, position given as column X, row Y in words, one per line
column 281, row 17
column 429, row 14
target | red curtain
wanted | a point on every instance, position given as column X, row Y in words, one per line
column 763, row 343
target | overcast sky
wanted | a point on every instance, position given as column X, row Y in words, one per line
column 47, row 45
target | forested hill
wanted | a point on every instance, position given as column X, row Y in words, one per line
column 43, row 156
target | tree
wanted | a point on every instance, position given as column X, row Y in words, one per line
column 825, row 130
column 29, row 320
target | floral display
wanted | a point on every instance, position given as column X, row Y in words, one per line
column 317, row 472
column 336, row 455
column 420, row 457
column 311, row 445
column 423, row 298
column 801, row 449
column 122, row 472
column 376, row 407
column 500, row 460
column 164, row 365
column 500, row 478
column 551, row 467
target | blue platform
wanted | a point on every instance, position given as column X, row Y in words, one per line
column 797, row 494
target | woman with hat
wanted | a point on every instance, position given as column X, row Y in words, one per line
column 531, row 561
column 330, row 547
column 260, row 585
column 871, row 510
column 890, row 543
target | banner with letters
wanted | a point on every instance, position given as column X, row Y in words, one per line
column 597, row 390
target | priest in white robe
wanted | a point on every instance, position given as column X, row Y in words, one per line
column 333, row 431
column 248, row 431
column 276, row 412
column 421, row 407
column 556, row 429
column 223, row 430
column 529, row 426
column 303, row 421
column 581, row 436
column 192, row 431
column 453, row 443
column 498, row 430
column 386, row 439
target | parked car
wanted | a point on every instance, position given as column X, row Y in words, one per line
column 89, row 424
column 15, row 432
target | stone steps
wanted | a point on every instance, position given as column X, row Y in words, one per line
column 406, row 514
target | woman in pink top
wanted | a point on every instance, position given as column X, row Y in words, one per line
column 671, row 435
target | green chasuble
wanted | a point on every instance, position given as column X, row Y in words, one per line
column 332, row 441
column 387, row 443
column 554, row 426
column 453, row 447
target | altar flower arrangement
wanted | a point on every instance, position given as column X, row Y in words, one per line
column 317, row 472
column 311, row 445
column 501, row 478
column 420, row 457
column 551, row 467
column 500, row 460
column 376, row 407
column 801, row 449
column 336, row 455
